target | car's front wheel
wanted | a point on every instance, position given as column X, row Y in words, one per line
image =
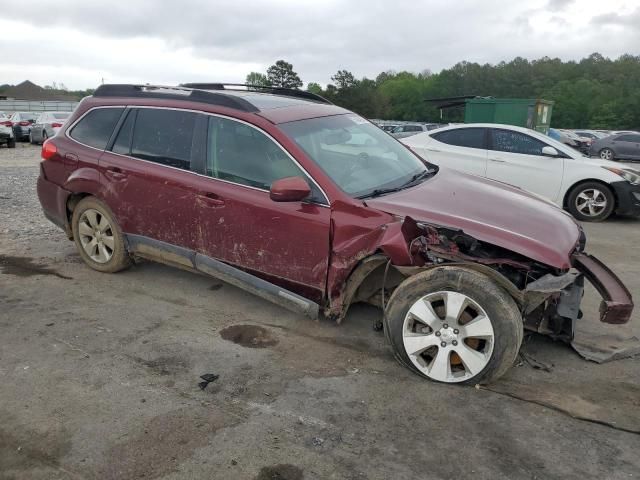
column 454, row 325
column 607, row 154
column 591, row 202
column 98, row 237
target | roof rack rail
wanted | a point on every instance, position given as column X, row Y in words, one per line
column 174, row 93
column 287, row 92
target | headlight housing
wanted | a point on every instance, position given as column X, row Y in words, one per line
column 630, row 175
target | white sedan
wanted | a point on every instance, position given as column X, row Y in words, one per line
column 590, row 189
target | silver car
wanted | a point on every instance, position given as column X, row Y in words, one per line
column 625, row 146
column 406, row 130
column 47, row 125
column 22, row 122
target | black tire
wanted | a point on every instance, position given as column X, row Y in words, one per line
column 607, row 154
column 600, row 216
column 499, row 306
column 120, row 259
column 11, row 143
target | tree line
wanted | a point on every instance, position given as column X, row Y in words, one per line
column 595, row 92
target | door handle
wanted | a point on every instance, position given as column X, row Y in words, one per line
column 497, row 160
column 115, row 173
column 432, row 149
column 211, row 198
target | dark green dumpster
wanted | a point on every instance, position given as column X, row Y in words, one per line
column 523, row 112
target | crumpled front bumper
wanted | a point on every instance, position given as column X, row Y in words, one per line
column 617, row 304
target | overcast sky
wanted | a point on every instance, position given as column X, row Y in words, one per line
column 81, row 42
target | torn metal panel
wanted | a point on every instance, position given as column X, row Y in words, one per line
column 605, row 348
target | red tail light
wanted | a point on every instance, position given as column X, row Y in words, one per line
column 7, row 123
column 48, row 149
column 24, row 124
column 56, row 125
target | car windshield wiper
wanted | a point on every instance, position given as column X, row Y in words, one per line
column 381, row 191
column 418, row 176
column 413, row 180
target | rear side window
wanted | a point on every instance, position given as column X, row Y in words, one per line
column 96, row 127
column 462, row 137
column 163, row 136
column 629, row 138
column 122, row 144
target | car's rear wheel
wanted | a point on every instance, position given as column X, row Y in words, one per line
column 44, row 136
column 98, row 237
column 454, row 325
column 607, row 154
column 591, row 202
column 11, row 143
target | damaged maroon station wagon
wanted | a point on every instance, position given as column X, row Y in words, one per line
column 306, row 204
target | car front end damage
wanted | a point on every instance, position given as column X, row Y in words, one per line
column 549, row 298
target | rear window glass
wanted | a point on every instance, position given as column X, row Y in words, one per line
column 164, row 136
column 96, row 127
column 462, row 137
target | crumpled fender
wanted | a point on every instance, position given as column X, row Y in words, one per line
column 358, row 232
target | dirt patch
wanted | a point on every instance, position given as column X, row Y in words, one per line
column 24, row 267
column 162, row 443
column 282, row 471
column 250, row 336
column 23, row 450
column 166, row 365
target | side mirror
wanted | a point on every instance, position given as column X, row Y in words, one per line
column 550, row 152
column 289, row 189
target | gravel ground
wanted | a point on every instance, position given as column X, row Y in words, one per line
column 99, row 379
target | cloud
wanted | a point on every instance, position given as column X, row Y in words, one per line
column 558, row 5
column 614, row 18
column 79, row 42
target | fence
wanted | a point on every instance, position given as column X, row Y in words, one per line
column 36, row 106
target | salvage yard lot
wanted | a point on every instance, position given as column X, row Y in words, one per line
column 99, row 378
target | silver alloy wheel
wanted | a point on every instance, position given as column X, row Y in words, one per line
column 448, row 336
column 606, row 154
column 96, row 236
column 591, row 202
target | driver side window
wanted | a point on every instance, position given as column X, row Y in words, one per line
column 242, row 154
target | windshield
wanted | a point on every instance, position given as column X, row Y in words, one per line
column 358, row 156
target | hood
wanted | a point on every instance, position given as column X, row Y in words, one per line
column 490, row 211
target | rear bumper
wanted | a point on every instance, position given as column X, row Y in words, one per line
column 53, row 200
column 617, row 304
column 628, row 196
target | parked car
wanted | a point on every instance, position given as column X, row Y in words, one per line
column 582, row 144
column 47, row 125
column 388, row 128
column 403, row 131
column 6, row 136
column 592, row 134
column 21, row 123
column 625, row 146
column 590, row 189
column 249, row 187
